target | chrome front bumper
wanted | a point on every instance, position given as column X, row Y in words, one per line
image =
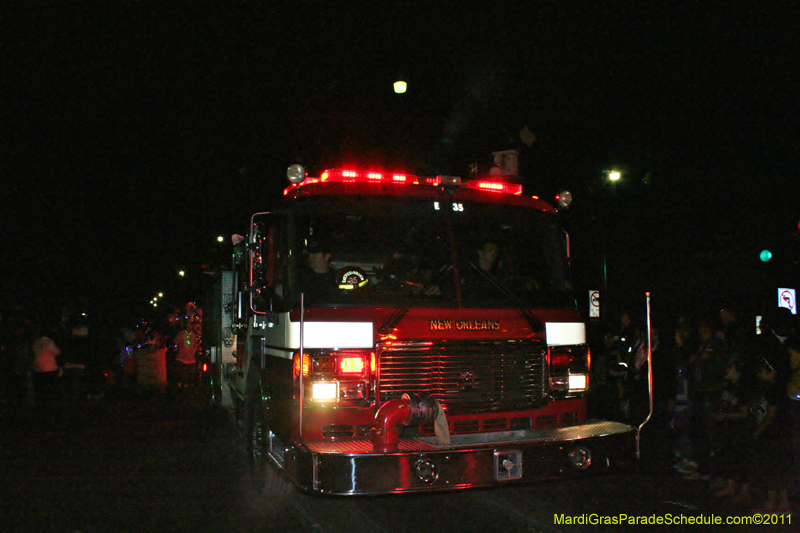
column 481, row 460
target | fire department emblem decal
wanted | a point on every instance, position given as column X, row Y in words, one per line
column 467, row 381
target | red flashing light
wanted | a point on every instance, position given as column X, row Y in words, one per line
column 494, row 186
column 307, row 181
column 351, row 365
column 395, row 178
column 560, row 360
column 368, row 176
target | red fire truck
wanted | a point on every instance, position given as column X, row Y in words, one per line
column 388, row 333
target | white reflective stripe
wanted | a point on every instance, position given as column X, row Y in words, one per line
column 333, row 335
column 565, row 333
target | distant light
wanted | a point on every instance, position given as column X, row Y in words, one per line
column 182, row 273
column 614, row 175
column 400, row 87
column 160, row 294
column 765, row 255
column 220, row 239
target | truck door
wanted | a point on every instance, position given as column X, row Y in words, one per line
column 267, row 266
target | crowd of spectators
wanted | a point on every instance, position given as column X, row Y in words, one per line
column 68, row 362
column 726, row 394
column 726, row 401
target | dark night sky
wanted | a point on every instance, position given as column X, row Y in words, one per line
column 132, row 135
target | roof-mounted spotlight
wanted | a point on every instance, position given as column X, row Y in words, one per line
column 563, row 199
column 296, row 173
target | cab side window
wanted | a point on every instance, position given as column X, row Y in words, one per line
column 267, row 264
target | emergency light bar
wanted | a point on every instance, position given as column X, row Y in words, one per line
column 449, row 181
column 355, row 176
column 362, row 176
column 494, row 186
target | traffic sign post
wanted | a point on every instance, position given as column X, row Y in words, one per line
column 594, row 304
column 787, row 298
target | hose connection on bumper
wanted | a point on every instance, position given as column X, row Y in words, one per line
column 408, row 410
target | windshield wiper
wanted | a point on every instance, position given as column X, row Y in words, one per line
column 533, row 320
column 398, row 314
column 392, row 320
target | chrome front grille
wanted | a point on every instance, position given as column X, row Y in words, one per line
column 466, row 376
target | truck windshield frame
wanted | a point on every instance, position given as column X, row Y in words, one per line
column 391, row 251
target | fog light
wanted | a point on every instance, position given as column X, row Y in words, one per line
column 324, row 390
column 353, row 391
column 580, row 458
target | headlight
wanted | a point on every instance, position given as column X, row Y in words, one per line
column 569, row 370
column 324, row 390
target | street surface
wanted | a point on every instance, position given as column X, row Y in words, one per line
column 138, row 461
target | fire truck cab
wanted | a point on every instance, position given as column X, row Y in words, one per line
column 387, row 333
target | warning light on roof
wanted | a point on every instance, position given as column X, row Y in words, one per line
column 564, row 199
column 494, row 186
column 296, row 173
column 358, row 176
column 353, row 176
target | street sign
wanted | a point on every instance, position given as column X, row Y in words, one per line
column 788, row 299
column 594, row 304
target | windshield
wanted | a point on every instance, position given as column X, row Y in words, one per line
column 401, row 252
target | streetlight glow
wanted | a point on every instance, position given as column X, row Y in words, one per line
column 614, row 175
column 400, row 87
